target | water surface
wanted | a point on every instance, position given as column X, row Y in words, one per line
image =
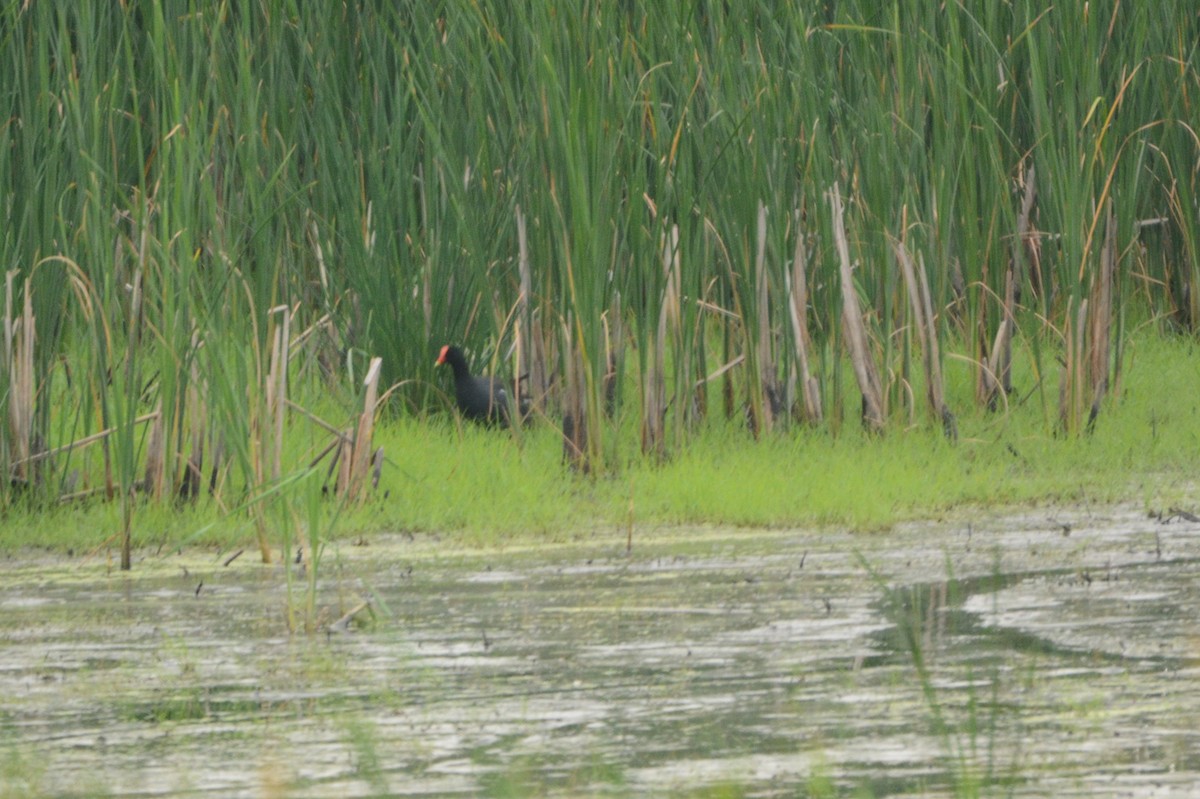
column 1051, row 654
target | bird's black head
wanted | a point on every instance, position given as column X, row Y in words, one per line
column 449, row 354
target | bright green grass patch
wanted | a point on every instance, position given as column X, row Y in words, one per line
column 487, row 487
column 1143, row 447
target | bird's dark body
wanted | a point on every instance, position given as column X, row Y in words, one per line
column 480, row 399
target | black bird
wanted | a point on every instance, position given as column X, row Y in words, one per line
column 481, row 399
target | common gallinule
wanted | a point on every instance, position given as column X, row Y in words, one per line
column 481, row 399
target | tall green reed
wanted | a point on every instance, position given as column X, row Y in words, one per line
column 372, row 169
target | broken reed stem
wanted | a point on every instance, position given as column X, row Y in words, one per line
column 82, row 442
column 613, row 342
column 1100, row 344
column 128, row 455
column 1078, row 371
column 189, row 483
column 1087, row 343
column 949, row 424
column 1027, row 250
column 767, row 378
column 922, row 310
column 1074, row 336
column 575, row 419
column 19, row 336
column 268, row 458
column 797, row 290
column 155, row 454
column 857, row 340
column 361, row 453
column 996, row 378
column 277, row 388
column 343, row 460
column 530, row 352
column 654, row 396
column 1025, row 260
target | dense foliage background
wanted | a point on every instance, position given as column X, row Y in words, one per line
column 618, row 200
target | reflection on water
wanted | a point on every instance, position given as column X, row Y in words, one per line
column 921, row 662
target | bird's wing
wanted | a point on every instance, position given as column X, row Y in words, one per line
column 499, row 392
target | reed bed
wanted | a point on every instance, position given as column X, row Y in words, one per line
column 215, row 213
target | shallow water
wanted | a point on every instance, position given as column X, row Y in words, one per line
column 1054, row 654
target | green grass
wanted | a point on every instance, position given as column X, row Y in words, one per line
column 482, row 482
column 479, row 487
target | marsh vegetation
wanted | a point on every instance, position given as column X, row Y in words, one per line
column 236, row 237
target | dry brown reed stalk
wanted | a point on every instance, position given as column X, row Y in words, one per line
column 917, row 283
column 133, row 344
column 853, row 325
column 1070, row 387
column 189, row 482
column 268, row 428
column 995, row 376
column 1087, row 347
column 1028, row 245
column 1100, row 329
column 341, row 445
column 654, row 398
column 575, row 419
column 276, row 389
column 530, row 349
column 797, row 290
column 81, row 443
column 769, row 397
column 361, row 454
column 19, row 337
column 613, row 341
column 995, row 379
column 156, row 443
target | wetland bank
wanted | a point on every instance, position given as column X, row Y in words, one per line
column 785, row 288
column 1049, row 653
